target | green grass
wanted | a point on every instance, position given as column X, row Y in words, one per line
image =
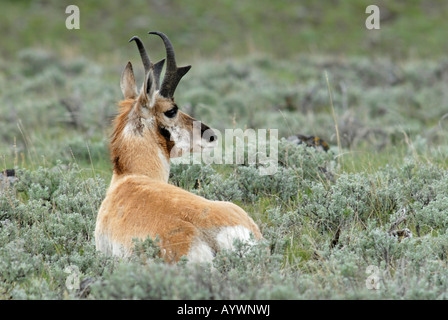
column 229, row 28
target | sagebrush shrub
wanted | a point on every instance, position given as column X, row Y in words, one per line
column 323, row 224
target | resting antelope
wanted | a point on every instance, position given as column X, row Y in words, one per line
column 140, row 202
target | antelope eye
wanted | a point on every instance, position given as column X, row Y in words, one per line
column 171, row 113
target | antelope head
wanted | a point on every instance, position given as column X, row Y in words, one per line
column 152, row 116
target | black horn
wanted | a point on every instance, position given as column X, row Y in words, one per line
column 157, row 68
column 173, row 74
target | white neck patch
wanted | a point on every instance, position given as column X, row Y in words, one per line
column 165, row 164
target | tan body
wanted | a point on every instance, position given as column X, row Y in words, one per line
column 140, row 202
column 187, row 225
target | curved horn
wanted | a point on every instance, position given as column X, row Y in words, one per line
column 173, row 74
column 157, row 67
column 141, row 48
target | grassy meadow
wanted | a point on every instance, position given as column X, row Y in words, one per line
column 372, row 212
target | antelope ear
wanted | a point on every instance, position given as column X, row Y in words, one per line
column 149, row 89
column 127, row 82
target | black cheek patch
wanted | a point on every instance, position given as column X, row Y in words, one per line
column 165, row 133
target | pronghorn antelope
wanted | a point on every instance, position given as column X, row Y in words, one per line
column 140, row 203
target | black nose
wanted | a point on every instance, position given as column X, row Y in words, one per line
column 212, row 138
column 208, row 133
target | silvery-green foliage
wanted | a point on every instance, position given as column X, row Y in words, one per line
column 253, row 185
column 434, row 214
column 188, row 176
column 16, row 264
column 48, row 226
column 235, row 274
column 350, row 199
column 219, row 188
column 323, row 225
column 284, row 225
column 133, row 280
column 297, row 167
column 147, row 250
column 247, row 257
column 376, row 246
